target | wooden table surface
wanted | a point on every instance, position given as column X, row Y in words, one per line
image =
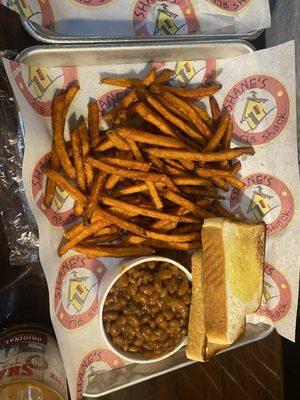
column 251, row 372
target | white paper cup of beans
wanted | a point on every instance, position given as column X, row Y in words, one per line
column 119, row 271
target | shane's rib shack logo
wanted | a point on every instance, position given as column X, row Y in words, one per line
column 106, row 101
column 36, row 11
column 276, row 298
column 94, row 364
column 60, row 213
column 187, row 73
column 76, row 291
column 39, row 84
column 164, row 17
column 264, row 198
column 259, row 105
column 230, row 5
column 92, row 3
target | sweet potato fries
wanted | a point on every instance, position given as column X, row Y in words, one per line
column 149, row 180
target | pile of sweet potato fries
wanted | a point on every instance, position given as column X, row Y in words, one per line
column 150, row 180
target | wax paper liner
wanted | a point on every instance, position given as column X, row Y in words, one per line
column 259, row 91
column 113, row 18
column 247, row 15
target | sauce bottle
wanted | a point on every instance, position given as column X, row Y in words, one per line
column 31, row 367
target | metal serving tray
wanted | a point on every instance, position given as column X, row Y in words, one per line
column 66, row 55
column 43, row 34
column 129, row 53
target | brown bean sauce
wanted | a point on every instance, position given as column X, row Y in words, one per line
column 146, row 311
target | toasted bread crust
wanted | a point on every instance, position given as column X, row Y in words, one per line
column 214, row 285
column 195, row 349
column 261, row 247
column 213, row 348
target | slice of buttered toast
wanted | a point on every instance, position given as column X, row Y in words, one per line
column 233, row 256
column 227, row 284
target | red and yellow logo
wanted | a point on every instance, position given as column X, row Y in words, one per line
column 94, row 364
column 39, row 84
column 187, row 73
column 76, row 291
column 164, row 17
column 61, row 211
column 92, row 3
column 230, row 5
column 38, row 11
column 260, row 107
column 277, row 297
column 264, row 198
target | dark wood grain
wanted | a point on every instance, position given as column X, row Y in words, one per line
column 249, row 373
column 12, row 34
column 253, row 372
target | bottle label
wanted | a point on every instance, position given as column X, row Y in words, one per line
column 28, row 355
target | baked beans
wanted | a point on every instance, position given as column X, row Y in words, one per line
column 146, row 311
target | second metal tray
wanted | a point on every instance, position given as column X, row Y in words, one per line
column 45, row 35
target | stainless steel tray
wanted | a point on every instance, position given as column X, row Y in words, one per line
column 128, row 53
column 65, row 55
column 121, row 378
column 43, row 34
